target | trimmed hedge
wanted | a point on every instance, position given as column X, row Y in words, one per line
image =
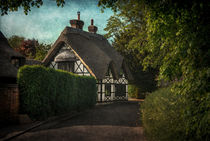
column 162, row 116
column 46, row 92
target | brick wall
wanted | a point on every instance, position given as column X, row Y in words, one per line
column 9, row 103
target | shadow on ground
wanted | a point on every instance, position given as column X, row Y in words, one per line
column 111, row 121
column 114, row 114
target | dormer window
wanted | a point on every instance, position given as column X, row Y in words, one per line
column 67, row 66
column 66, row 60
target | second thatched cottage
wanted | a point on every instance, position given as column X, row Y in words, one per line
column 88, row 53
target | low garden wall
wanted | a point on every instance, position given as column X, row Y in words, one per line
column 47, row 92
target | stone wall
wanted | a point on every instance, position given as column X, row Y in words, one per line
column 9, row 103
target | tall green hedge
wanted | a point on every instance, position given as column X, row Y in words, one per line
column 47, row 92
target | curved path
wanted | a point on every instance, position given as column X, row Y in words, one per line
column 105, row 122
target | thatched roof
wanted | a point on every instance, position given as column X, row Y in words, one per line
column 7, row 69
column 93, row 50
column 6, row 50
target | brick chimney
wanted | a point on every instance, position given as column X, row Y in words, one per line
column 77, row 23
column 92, row 28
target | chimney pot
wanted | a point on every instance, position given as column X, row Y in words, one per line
column 77, row 23
column 78, row 14
column 92, row 28
column 92, row 21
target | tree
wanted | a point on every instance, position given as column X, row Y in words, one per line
column 177, row 35
column 13, row 5
column 41, row 51
column 123, row 26
column 15, row 41
column 30, row 48
column 178, row 41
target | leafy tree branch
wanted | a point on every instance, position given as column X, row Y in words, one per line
column 13, row 5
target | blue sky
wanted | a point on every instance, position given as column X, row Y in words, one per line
column 47, row 22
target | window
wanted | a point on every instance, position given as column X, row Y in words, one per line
column 120, row 89
column 67, row 66
column 107, row 89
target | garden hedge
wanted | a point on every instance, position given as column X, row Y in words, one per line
column 46, row 92
column 162, row 116
column 166, row 117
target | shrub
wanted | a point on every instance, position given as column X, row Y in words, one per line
column 162, row 116
column 132, row 91
column 135, row 91
column 47, row 92
column 197, row 115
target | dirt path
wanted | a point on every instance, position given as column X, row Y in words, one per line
column 106, row 122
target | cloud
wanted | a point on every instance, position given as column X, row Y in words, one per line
column 47, row 22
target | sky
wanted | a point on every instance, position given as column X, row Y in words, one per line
column 47, row 22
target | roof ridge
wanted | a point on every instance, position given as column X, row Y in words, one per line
column 83, row 33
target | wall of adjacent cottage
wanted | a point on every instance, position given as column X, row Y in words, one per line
column 9, row 103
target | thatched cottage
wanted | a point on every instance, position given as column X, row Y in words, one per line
column 90, row 54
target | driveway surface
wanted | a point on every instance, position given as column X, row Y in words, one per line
column 105, row 122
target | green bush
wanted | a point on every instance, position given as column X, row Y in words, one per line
column 197, row 115
column 135, row 91
column 132, row 91
column 47, row 92
column 167, row 116
column 162, row 116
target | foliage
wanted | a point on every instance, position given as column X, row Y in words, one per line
column 47, row 92
column 15, row 41
column 136, row 91
column 132, row 92
column 41, row 51
column 177, row 42
column 13, row 5
column 123, row 26
column 30, row 48
column 162, row 116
